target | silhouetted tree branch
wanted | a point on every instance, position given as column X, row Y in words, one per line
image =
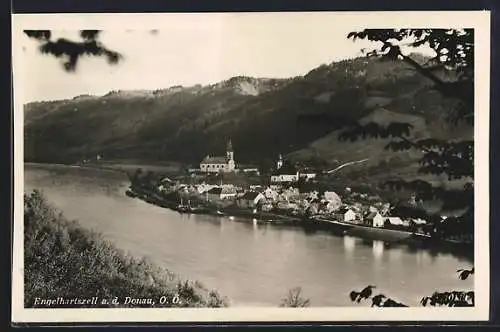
column 454, row 53
column 70, row 51
column 449, row 299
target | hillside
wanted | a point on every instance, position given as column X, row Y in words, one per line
column 262, row 116
column 97, row 267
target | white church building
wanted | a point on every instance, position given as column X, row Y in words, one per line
column 284, row 172
column 219, row 164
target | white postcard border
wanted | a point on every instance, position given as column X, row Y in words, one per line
column 479, row 20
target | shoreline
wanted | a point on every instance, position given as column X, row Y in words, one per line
column 390, row 237
column 89, row 167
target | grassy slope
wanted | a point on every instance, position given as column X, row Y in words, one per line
column 64, row 260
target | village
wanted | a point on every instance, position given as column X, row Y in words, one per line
column 281, row 198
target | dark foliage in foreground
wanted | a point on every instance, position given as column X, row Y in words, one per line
column 61, row 259
column 454, row 52
column 449, row 299
column 454, row 55
column 294, row 299
column 70, row 51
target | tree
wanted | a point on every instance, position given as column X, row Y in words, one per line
column 449, row 299
column 454, row 53
column 136, row 178
column 70, row 51
column 294, row 299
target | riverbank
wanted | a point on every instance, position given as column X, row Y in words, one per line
column 64, row 262
column 310, row 223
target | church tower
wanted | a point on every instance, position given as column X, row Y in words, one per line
column 280, row 162
column 229, row 151
column 230, row 156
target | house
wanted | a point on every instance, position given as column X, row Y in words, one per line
column 249, row 169
column 312, row 208
column 251, row 199
column 312, row 195
column 375, row 219
column 204, row 188
column 166, row 184
column 271, row 194
column 290, row 194
column 307, row 174
column 256, row 187
column 331, row 206
column 347, row 214
column 267, row 207
column 395, row 221
column 284, row 172
column 219, row 164
column 333, row 199
column 419, row 221
column 285, row 205
column 219, row 193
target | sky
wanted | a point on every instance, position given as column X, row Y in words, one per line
column 193, row 49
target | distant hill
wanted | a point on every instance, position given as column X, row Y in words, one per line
column 262, row 116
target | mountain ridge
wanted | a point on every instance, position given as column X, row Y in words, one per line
column 262, row 116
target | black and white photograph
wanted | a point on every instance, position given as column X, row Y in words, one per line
column 305, row 166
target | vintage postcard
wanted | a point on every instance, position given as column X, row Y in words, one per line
column 242, row 167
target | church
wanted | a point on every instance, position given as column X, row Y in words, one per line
column 284, row 172
column 219, row 164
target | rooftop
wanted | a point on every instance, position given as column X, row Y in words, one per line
column 286, row 169
column 344, row 209
column 372, row 215
column 214, row 160
column 222, row 190
column 215, row 191
column 250, row 195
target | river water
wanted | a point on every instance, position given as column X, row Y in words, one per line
column 252, row 264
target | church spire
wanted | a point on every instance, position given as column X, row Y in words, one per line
column 229, row 152
column 279, row 164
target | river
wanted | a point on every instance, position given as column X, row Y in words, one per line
column 252, row 264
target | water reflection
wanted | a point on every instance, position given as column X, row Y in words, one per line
column 221, row 224
column 395, row 253
column 423, row 257
column 378, row 249
column 248, row 262
column 349, row 244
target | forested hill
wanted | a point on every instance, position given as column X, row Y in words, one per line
column 263, row 117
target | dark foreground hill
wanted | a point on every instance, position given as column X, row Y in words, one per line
column 263, row 117
column 64, row 261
